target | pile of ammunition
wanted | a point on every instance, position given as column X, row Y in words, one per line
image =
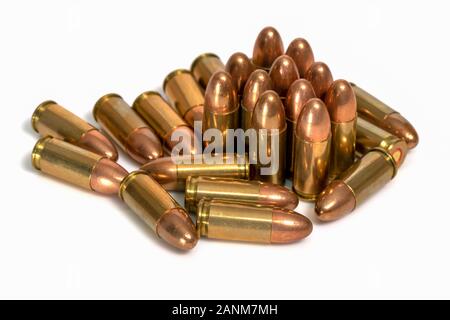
column 335, row 141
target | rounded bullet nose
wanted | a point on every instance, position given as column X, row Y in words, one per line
column 177, row 229
column 341, row 101
column 220, row 94
column 336, row 201
column 258, row 82
column 268, row 46
column 107, row 176
column 300, row 51
column 163, row 170
column 300, row 92
column 143, row 145
column 320, row 77
column 289, row 226
column 283, row 73
column 269, row 112
column 278, row 196
column 401, row 127
column 239, row 66
column 96, row 142
column 314, row 124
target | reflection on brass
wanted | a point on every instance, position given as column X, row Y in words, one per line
column 158, row 210
column 204, row 66
column 253, row 191
column 365, row 177
column 185, row 95
column 384, row 117
column 218, row 219
column 51, row 119
column 342, row 147
column 369, row 136
column 172, row 172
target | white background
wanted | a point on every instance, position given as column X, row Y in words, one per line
column 58, row 241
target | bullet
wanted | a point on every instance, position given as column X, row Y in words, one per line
column 242, row 191
column 239, row 66
column 369, row 137
column 185, row 95
column 77, row 166
column 51, row 119
column 156, row 207
column 221, row 105
column 341, row 103
column 320, row 77
column 268, row 46
column 385, row 117
column 172, row 172
column 167, row 123
column 269, row 120
column 204, row 66
column 258, row 82
column 283, row 73
column 300, row 92
column 126, row 128
column 218, row 219
column 300, row 51
column 312, row 150
column 363, row 178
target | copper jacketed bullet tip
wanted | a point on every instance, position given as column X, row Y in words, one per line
column 279, row 195
column 314, row 123
column 341, row 102
column 289, row 226
column 239, row 66
column 107, row 176
column 320, row 77
column 300, row 51
column 269, row 112
column 283, row 73
column 336, row 201
column 97, row 142
column 220, row 94
column 401, row 127
column 177, row 229
column 300, row 92
column 268, row 47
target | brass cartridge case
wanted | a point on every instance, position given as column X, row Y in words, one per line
column 217, row 219
column 77, row 166
column 204, row 66
column 166, row 122
column 51, row 119
column 342, row 152
column 384, row 117
column 278, row 177
column 126, row 128
column 369, row 136
column 365, row 177
column 143, row 195
column 241, row 191
column 172, row 173
column 185, row 95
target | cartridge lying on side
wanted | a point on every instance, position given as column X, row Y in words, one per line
column 204, row 66
column 217, row 219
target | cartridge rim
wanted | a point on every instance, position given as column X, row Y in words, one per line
column 142, row 96
column 37, row 150
column 173, row 74
column 202, row 56
column 202, row 217
column 37, row 112
column 128, row 179
column 101, row 101
column 390, row 157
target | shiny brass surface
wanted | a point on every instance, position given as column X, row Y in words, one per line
column 342, row 153
column 204, row 66
column 279, row 176
column 155, row 206
column 370, row 136
column 384, row 117
column 311, row 165
column 219, row 219
column 369, row 174
column 242, row 191
column 172, row 173
column 65, row 161
column 222, row 122
column 185, row 95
